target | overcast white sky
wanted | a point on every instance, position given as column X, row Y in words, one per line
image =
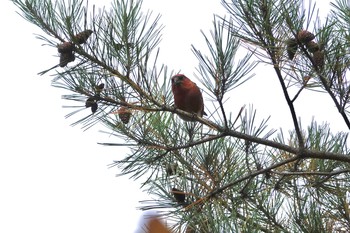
column 54, row 177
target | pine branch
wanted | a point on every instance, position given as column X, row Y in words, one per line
column 231, row 174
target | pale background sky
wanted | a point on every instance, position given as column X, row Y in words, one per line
column 54, row 177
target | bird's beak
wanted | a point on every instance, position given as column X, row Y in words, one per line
column 176, row 81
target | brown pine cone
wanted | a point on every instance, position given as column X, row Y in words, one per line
column 178, row 195
column 312, row 46
column 66, row 47
column 82, row 37
column 124, row 114
column 99, row 88
column 305, row 36
column 94, row 107
column 318, row 58
column 90, row 101
column 65, row 58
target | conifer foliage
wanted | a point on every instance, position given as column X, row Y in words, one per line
column 227, row 171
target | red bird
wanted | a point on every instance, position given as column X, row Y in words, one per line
column 187, row 96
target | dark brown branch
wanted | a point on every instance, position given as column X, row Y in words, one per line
column 223, row 132
column 261, row 171
column 334, row 98
column 327, row 87
column 298, row 93
column 305, row 173
column 269, row 47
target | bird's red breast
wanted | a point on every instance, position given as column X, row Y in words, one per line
column 187, row 96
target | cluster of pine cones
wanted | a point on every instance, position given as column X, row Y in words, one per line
column 124, row 113
column 91, row 102
column 306, row 38
column 66, row 49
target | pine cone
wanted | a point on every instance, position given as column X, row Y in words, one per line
column 94, row 107
column 90, row 101
column 179, row 195
column 318, row 58
column 82, row 37
column 124, row 114
column 312, row 46
column 65, row 58
column 292, row 47
column 305, row 36
column 66, row 47
column 99, row 88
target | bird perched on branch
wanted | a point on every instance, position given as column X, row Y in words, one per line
column 187, row 96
